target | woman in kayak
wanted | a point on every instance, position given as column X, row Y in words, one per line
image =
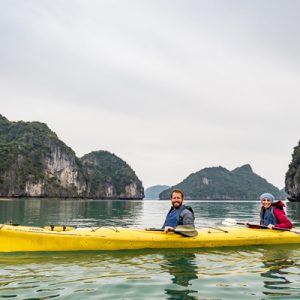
column 272, row 213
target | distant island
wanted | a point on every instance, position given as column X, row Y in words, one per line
column 218, row 183
column 34, row 162
column 153, row 192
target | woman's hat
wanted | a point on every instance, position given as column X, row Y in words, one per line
column 266, row 195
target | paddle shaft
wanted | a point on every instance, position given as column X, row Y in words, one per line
column 154, row 229
column 263, row 226
column 182, row 231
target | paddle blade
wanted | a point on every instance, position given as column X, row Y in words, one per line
column 186, row 230
column 229, row 222
column 295, row 231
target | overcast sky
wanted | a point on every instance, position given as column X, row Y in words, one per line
column 169, row 86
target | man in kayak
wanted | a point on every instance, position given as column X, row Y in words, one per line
column 179, row 214
column 272, row 213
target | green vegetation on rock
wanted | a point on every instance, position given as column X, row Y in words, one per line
column 35, row 162
column 218, row 183
column 106, row 169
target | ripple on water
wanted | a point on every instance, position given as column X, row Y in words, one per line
column 239, row 273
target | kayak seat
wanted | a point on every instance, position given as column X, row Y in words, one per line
column 58, row 228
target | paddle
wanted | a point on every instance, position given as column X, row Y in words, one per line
column 232, row 222
column 186, row 230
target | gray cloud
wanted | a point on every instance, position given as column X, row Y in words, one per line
column 169, row 86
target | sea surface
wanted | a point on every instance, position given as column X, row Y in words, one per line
column 256, row 272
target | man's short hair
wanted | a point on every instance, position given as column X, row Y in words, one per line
column 177, row 191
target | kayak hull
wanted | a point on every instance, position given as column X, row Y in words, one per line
column 25, row 238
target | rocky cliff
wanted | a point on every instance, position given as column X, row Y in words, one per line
column 110, row 177
column 292, row 177
column 35, row 163
column 218, row 183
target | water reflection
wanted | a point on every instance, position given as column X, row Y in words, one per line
column 12, row 211
column 183, row 268
column 277, row 277
column 40, row 212
column 86, row 212
column 239, row 273
column 293, row 211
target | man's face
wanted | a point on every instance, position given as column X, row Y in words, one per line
column 176, row 200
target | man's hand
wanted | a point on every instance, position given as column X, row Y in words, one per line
column 168, row 229
column 270, row 226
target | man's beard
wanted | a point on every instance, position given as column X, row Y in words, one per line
column 177, row 204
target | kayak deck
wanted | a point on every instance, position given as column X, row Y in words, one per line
column 24, row 238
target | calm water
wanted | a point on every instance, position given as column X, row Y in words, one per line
column 262, row 272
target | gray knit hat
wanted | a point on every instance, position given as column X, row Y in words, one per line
column 268, row 196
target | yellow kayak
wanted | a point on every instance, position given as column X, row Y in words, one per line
column 16, row 238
